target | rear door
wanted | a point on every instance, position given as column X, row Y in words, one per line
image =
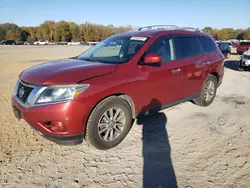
column 196, row 64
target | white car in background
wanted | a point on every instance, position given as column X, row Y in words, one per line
column 52, row 43
column 41, row 42
column 245, row 60
column 74, row 43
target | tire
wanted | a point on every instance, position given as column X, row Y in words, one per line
column 204, row 100
column 97, row 119
column 240, row 67
column 246, row 68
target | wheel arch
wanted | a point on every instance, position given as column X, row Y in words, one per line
column 215, row 74
column 125, row 97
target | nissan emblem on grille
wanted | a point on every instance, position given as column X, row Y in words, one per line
column 21, row 92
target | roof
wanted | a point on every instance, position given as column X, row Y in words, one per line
column 144, row 33
column 153, row 32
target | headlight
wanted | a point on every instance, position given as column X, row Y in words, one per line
column 57, row 94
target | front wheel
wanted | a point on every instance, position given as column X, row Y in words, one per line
column 109, row 123
column 208, row 91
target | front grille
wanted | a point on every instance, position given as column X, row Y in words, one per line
column 23, row 91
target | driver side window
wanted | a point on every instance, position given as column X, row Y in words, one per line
column 164, row 47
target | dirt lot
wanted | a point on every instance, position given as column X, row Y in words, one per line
column 193, row 146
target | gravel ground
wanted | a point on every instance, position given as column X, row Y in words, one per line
column 185, row 146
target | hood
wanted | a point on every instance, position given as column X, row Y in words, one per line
column 65, row 71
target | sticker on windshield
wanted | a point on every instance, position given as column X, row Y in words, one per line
column 139, row 38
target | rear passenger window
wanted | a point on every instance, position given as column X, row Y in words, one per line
column 207, row 44
column 163, row 47
column 187, row 47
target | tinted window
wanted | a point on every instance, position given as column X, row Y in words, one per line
column 245, row 43
column 163, row 47
column 187, row 47
column 207, row 44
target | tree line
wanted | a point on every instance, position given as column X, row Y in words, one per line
column 59, row 31
column 70, row 31
column 228, row 33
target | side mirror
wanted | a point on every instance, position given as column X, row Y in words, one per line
column 152, row 58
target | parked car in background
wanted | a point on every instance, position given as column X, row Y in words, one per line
column 19, row 42
column 8, row 42
column 73, row 43
column 242, row 47
column 83, row 43
column 99, row 93
column 225, row 49
column 28, row 43
column 52, row 43
column 62, row 43
column 235, row 44
column 41, row 42
column 92, row 43
column 245, row 60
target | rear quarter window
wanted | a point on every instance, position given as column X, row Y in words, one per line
column 207, row 44
column 187, row 47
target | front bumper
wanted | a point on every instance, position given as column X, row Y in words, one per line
column 63, row 140
column 245, row 62
column 72, row 115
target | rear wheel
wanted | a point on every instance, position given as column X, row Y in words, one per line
column 109, row 123
column 246, row 68
column 208, row 91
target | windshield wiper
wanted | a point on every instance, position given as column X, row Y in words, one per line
column 88, row 59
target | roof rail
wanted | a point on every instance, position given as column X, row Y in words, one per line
column 191, row 29
column 159, row 27
column 170, row 27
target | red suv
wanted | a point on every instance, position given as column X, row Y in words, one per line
column 242, row 47
column 99, row 93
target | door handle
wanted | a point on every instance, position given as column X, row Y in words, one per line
column 206, row 63
column 176, row 70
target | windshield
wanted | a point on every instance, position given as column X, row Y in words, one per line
column 223, row 46
column 116, row 49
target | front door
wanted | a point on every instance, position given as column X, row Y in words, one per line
column 164, row 81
